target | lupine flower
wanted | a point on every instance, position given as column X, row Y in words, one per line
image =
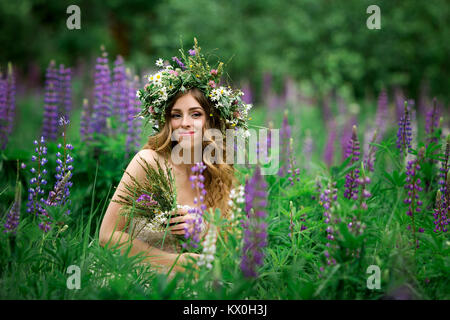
column 404, row 134
column 191, row 52
column 13, row 216
column 285, row 135
column 413, row 186
column 7, row 106
column 292, row 171
column 236, row 198
column 119, row 93
column 247, row 90
column 65, row 92
column 399, row 103
column 440, row 214
column 255, row 227
column 102, row 94
column 64, row 169
column 85, row 121
column 36, row 189
column 209, row 248
column 291, row 224
column 51, row 103
column 328, row 200
column 443, row 195
column 197, row 183
column 363, row 181
column 346, row 135
column 38, row 180
column 178, row 61
column 369, row 156
column 351, row 179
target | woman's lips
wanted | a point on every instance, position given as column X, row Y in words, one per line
column 187, row 133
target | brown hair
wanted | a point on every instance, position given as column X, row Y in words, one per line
column 219, row 177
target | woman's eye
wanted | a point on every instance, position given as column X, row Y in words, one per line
column 175, row 115
column 197, row 115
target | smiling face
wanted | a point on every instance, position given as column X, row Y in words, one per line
column 187, row 119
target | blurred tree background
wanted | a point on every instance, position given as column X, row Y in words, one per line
column 323, row 42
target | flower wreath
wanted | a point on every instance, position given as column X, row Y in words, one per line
column 189, row 72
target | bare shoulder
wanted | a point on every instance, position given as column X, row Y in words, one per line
column 149, row 155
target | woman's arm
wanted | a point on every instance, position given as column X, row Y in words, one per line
column 113, row 228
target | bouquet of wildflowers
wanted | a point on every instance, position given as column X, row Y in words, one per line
column 153, row 199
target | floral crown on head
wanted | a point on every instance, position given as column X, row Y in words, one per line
column 192, row 71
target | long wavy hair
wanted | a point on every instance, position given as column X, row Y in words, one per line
column 219, row 177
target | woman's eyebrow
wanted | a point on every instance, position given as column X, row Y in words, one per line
column 193, row 108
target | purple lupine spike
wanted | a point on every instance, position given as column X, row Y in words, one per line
column 37, row 183
column 399, row 102
column 102, row 94
column 404, row 134
column 119, row 93
column 61, row 192
column 351, row 183
column 328, row 154
column 364, row 181
column 3, row 112
column 328, row 200
column 9, row 107
column 13, row 216
column 66, row 92
column 413, row 186
column 369, row 155
column 134, row 123
column 346, row 135
column 51, row 102
column 441, row 212
column 85, row 121
column 197, row 179
column 285, row 135
column 247, row 90
column 255, row 227
column 294, row 173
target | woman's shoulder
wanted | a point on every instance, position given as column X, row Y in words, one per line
column 150, row 156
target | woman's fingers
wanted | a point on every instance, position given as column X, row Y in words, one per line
column 178, row 227
column 181, row 218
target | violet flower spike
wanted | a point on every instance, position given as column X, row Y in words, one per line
column 351, row 183
column 255, row 226
column 196, row 224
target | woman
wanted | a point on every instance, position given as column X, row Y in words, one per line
column 184, row 118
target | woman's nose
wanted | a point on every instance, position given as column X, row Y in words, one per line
column 186, row 122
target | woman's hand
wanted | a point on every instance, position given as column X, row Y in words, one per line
column 180, row 222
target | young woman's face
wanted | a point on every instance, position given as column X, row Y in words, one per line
column 187, row 119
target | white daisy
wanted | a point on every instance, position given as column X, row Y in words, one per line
column 160, row 63
column 138, row 94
